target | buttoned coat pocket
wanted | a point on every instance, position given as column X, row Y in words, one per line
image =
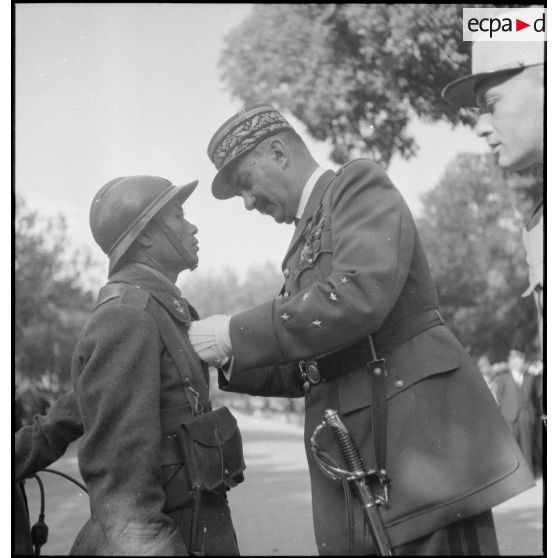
column 413, row 362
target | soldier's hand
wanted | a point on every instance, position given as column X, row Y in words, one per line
column 211, row 339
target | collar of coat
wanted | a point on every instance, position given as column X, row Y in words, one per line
column 159, row 287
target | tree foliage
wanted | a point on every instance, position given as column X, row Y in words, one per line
column 226, row 294
column 471, row 231
column 50, row 306
column 354, row 74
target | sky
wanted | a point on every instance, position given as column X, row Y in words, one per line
column 107, row 90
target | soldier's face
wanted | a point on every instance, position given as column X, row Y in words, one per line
column 511, row 118
column 261, row 180
column 172, row 216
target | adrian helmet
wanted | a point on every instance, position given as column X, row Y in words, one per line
column 123, row 207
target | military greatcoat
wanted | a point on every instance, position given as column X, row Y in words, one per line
column 132, row 398
column 355, row 267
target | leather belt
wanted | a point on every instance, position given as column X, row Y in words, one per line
column 358, row 355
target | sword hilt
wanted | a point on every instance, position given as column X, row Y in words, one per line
column 349, row 449
column 355, row 464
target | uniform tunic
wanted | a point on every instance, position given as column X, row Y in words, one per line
column 131, row 398
column 355, row 266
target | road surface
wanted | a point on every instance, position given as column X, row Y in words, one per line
column 272, row 508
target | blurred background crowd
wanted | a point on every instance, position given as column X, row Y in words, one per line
column 517, row 386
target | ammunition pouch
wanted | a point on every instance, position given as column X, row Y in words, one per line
column 203, row 453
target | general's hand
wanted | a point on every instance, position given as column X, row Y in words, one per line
column 211, row 339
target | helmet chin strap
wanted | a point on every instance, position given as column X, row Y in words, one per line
column 188, row 259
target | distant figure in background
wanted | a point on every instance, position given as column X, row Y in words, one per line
column 487, row 373
column 505, row 390
column 514, row 393
column 535, row 369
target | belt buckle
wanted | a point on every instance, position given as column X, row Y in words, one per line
column 309, row 372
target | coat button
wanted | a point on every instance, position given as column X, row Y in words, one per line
column 399, row 383
column 286, row 272
column 377, row 371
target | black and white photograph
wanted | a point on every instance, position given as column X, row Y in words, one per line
column 278, row 279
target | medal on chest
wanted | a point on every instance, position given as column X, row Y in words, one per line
column 312, row 235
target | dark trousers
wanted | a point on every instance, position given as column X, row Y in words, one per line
column 474, row 536
column 21, row 541
column 215, row 535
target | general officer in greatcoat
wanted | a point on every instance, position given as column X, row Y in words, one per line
column 506, row 84
column 140, row 387
column 356, row 278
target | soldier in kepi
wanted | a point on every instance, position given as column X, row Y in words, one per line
column 356, row 330
column 506, row 84
column 156, row 460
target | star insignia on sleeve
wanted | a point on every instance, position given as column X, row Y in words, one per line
column 333, row 297
column 344, row 280
column 317, row 323
column 285, row 317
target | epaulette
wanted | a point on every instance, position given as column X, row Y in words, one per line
column 343, row 167
column 129, row 295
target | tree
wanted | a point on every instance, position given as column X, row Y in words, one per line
column 225, row 294
column 354, row 74
column 471, row 231
column 50, row 307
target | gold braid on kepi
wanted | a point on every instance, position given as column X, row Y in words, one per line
column 238, row 135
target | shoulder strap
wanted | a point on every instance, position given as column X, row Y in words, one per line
column 178, row 350
column 108, row 292
column 377, row 373
column 130, row 294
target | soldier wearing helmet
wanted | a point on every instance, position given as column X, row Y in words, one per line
column 135, row 395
